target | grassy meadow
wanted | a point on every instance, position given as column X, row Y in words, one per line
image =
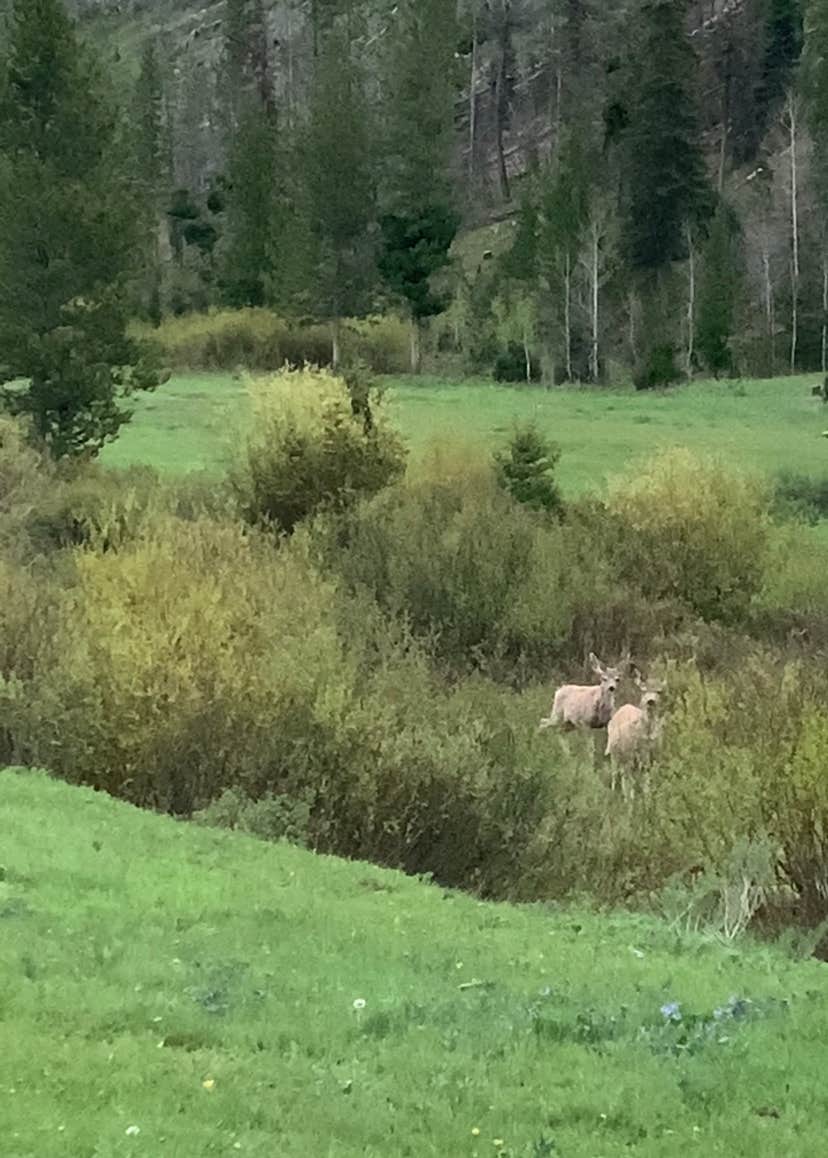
column 195, row 422
column 175, row 990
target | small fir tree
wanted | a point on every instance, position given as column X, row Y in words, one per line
column 68, row 239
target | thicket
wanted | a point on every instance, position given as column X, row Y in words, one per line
column 260, row 340
column 371, row 686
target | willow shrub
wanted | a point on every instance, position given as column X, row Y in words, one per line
column 691, row 529
column 492, row 585
column 260, row 340
column 27, row 479
column 176, row 661
column 310, row 452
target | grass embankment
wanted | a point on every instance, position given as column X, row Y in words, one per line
column 194, row 423
column 174, row 990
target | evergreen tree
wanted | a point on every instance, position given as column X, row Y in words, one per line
column 246, row 68
column 246, row 264
column 719, row 284
column 526, row 470
column 782, row 49
column 420, row 222
column 666, row 183
column 67, row 238
column 340, row 183
column 421, row 86
column 815, row 86
column 152, row 176
column 666, row 192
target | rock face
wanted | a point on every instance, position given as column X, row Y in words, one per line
column 506, row 116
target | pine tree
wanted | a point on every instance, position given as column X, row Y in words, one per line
column 421, row 86
column 338, row 165
column 246, row 67
column 420, row 222
column 152, row 175
column 67, row 238
column 246, row 268
column 666, row 183
column 719, row 285
column 252, row 195
column 667, row 197
column 783, row 36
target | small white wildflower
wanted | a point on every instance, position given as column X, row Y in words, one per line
column 359, row 1004
column 132, row 1131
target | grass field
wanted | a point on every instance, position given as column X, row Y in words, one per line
column 173, row 990
column 194, row 423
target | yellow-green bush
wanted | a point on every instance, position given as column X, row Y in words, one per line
column 690, row 529
column 177, row 660
column 26, row 482
column 309, row 451
column 492, row 585
column 258, row 339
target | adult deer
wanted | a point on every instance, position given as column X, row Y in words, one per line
column 633, row 732
column 589, row 706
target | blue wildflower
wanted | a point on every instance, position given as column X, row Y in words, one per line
column 671, row 1011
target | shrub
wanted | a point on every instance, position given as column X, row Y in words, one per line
column 526, row 470
column 510, row 365
column 689, row 529
column 658, row 369
column 26, row 480
column 260, row 340
column 270, row 818
column 471, row 570
column 802, row 496
column 183, row 663
column 796, row 579
column 311, row 452
column 95, row 506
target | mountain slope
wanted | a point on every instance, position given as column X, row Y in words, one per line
column 170, row 990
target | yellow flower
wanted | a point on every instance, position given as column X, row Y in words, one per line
column 209, row 1083
column 498, row 1142
column 475, row 1131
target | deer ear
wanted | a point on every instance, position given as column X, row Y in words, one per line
column 595, row 663
column 636, row 675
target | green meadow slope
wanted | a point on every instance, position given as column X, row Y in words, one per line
column 169, row 990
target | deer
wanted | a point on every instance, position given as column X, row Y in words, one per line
column 591, row 706
column 633, row 732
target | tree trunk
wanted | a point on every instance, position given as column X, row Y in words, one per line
column 792, row 117
column 691, row 305
column 595, row 356
column 291, row 83
column 501, row 95
column 568, row 316
column 726, row 91
column 473, row 110
column 336, row 352
column 415, row 346
column 770, row 312
column 527, row 355
column 632, row 334
column 824, row 360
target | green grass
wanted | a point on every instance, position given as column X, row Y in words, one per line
column 141, row 958
column 194, row 423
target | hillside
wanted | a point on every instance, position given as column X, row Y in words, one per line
column 517, row 83
column 170, row 990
